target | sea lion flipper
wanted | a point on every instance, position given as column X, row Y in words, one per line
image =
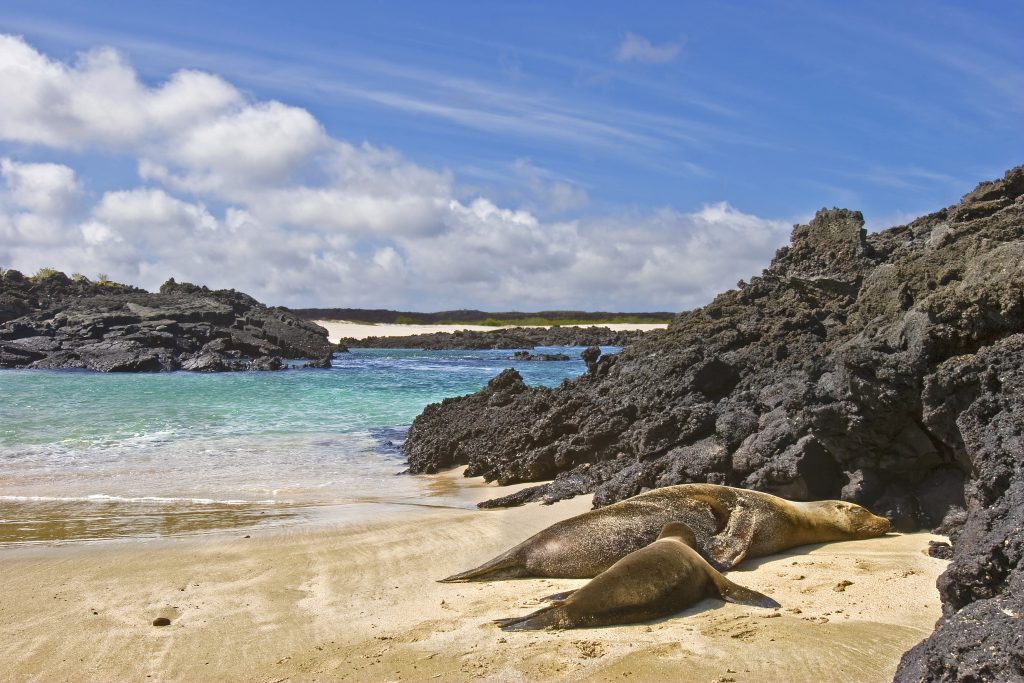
column 730, row 547
column 732, row 592
column 505, row 566
column 557, row 596
column 545, row 617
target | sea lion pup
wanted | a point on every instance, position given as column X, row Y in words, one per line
column 660, row 579
column 728, row 523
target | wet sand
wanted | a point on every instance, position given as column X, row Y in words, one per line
column 338, row 329
column 355, row 599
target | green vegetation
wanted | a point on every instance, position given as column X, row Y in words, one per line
column 78, row 277
column 45, row 272
column 550, row 322
column 104, row 281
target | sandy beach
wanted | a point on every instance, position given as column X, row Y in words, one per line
column 338, row 329
column 357, row 600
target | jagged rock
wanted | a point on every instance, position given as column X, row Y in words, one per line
column 206, row 362
column 63, row 323
column 590, row 356
column 321, row 363
column 526, row 355
column 881, row 368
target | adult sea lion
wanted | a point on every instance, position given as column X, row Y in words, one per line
column 662, row 578
column 728, row 523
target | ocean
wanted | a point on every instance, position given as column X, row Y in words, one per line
column 88, row 456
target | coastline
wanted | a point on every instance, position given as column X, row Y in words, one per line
column 340, row 329
column 357, row 599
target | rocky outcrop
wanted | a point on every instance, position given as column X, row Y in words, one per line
column 510, row 338
column 980, row 636
column 883, row 369
column 526, row 355
column 52, row 321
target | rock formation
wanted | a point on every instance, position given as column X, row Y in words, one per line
column 52, row 321
column 510, row 338
column 526, row 355
column 885, row 369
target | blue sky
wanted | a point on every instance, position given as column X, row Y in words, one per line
column 500, row 155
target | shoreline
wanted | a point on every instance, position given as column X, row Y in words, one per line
column 358, row 600
column 341, row 329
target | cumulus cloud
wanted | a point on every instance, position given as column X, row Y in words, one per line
column 35, row 201
column 636, row 48
column 47, row 189
column 256, row 195
column 97, row 100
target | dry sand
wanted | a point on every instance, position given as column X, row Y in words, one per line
column 358, row 601
column 338, row 329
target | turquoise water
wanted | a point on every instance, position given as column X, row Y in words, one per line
column 102, row 455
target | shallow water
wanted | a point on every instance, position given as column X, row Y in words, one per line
column 88, row 456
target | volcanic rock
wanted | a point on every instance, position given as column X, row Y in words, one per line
column 526, row 355
column 508, row 338
column 886, row 369
column 52, row 321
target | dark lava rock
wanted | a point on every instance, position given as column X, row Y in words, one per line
column 511, row 338
column 526, row 355
column 321, row 363
column 52, row 321
column 884, row 369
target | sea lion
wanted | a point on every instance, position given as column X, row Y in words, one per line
column 662, row 578
column 729, row 524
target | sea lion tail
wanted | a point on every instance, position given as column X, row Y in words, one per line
column 732, row 592
column 551, row 616
column 501, row 567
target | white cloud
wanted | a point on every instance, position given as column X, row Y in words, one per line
column 255, row 146
column 98, row 100
column 258, row 196
column 636, row 48
column 48, row 189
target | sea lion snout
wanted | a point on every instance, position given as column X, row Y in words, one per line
column 862, row 523
column 881, row 525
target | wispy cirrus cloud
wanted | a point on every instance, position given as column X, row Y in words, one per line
column 636, row 48
column 518, row 109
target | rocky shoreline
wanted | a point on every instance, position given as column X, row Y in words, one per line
column 52, row 321
column 508, row 338
column 885, row 369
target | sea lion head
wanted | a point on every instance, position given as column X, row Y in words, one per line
column 680, row 531
column 852, row 519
